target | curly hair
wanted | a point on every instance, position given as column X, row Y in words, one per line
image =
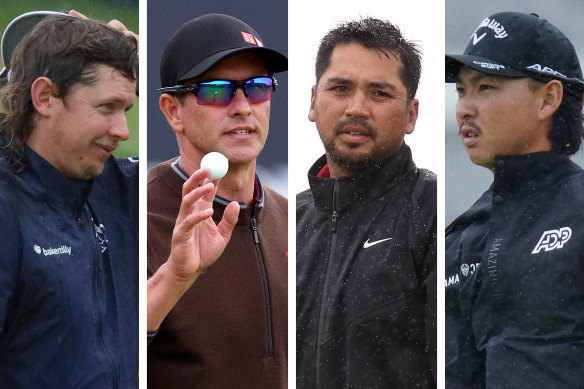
column 66, row 50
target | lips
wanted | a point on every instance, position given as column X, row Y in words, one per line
column 240, row 131
column 108, row 147
column 470, row 134
column 355, row 130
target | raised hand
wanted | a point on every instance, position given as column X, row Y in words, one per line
column 196, row 244
column 197, row 241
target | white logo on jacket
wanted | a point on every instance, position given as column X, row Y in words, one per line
column 64, row 249
column 553, row 239
column 369, row 244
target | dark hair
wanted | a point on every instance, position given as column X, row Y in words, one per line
column 66, row 50
column 567, row 129
column 374, row 34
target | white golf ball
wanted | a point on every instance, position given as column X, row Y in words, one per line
column 217, row 164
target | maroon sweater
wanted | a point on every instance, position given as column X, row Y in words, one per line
column 229, row 330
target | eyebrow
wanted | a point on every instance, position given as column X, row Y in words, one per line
column 374, row 84
column 122, row 102
column 476, row 77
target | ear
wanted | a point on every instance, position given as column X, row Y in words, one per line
column 169, row 105
column 42, row 95
column 412, row 116
column 311, row 112
column 551, row 94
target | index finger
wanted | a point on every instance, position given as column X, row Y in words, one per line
column 196, row 179
column 77, row 14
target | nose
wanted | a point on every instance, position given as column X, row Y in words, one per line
column 239, row 105
column 119, row 127
column 357, row 104
column 465, row 107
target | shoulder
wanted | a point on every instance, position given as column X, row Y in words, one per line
column 303, row 199
column 426, row 184
column 160, row 170
column 127, row 166
column 11, row 205
column 423, row 195
column 275, row 201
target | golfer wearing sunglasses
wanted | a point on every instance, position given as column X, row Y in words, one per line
column 229, row 328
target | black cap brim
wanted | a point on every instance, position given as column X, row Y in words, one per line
column 275, row 62
column 480, row 64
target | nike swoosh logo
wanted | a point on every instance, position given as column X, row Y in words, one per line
column 369, row 244
column 476, row 39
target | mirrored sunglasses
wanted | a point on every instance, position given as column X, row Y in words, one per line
column 221, row 92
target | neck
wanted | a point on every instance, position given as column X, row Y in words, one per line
column 337, row 171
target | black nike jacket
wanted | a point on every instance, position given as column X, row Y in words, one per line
column 366, row 278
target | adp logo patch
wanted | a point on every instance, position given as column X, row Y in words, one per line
column 553, row 239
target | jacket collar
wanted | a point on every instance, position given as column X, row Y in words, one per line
column 364, row 186
column 529, row 173
column 44, row 180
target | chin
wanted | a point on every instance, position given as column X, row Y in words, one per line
column 92, row 172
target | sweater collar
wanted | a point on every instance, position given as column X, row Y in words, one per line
column 364, row 186
column 220, row 203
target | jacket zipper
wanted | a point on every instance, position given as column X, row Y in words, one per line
column 95, row 258
column 256, row 240
column 334, row 218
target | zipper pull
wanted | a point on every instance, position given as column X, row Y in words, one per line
column 254, row 229
column 334, row 220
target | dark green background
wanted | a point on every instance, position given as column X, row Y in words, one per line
column 124, row 11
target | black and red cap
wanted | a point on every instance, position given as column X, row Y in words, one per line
column 513, row 44
column 201, row 43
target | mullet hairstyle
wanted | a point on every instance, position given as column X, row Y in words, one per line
column 567, row 130
column 381, row 36
column 66, row 50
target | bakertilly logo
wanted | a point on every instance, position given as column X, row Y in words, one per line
column 64, row 249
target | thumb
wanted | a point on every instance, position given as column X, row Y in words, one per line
column 230, row 216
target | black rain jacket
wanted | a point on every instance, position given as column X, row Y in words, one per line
column 366, row 278
column 515, row 279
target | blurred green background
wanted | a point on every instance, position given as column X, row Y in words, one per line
column 125, row 11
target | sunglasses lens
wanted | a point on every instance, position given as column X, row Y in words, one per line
column 259, row 89
column 220, row 92
column 215, row 93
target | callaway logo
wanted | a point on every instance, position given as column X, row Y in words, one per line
column 52, row 251
column 553, row 239
column 476, row 39
column 497, row 28
column 369, row 244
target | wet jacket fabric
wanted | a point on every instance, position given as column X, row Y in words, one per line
column 69, row 278
column 230, row 329
column 366, row 278
column 515, row 279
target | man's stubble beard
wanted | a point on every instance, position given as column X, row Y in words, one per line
column 360, row 162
